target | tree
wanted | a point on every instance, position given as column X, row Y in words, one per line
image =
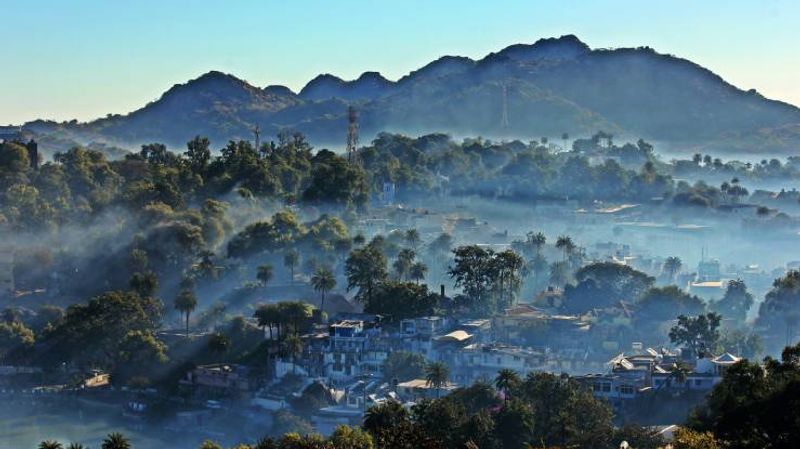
column 76, row 446
column 198, row 154
column 403, row 366
column 417, row 271
column 659, row 305
column 402, row 265
column 736, row 302
column 219, row 343
column 506, row 267
column 605, row 284
column 346, row 437
column 115, row 440
column 399, row 300
column 471, row 271
column 672, row 265
column 293, row 346
column 514, row 425
column 268, row 315
column 506, row 380
column 689, row 439
column 436, row 376
column 365, row 268
column 50, row 444
column 781, row 306
column 323, row 281
column 264, row 274
column 380, row 418
column 565, row 244
column 185, row 303
column 699, row 335
column 290, row 260
column 413, row 238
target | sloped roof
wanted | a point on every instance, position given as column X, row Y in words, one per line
column 726, row 359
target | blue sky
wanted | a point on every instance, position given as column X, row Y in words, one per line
column 85, row 58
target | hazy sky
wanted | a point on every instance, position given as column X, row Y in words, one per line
column 82, row 59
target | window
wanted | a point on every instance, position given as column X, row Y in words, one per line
column 626, row 389
column 606, row 387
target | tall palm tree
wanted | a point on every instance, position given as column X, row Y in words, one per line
column 264, row 274
column 412, row 238
column 436, row 376
column 50, row 444
column 565, row 244
column 115, row 440
column 506, row 380
column 418, row 271
column 323, row 281
column 76, row 446
column 672, row 265
column 185, row 303
column 405, row 259
column 538, row 241
column 290, row 260
column 293, row 346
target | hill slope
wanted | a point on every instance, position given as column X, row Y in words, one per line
column 553, row 86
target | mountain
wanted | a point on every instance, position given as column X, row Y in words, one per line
column 553, row 86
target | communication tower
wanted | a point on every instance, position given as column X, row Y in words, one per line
column 352, row 135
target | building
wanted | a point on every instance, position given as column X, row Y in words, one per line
column 6, row 271
column 218, row 380
column 417, row 389
column 482, row 361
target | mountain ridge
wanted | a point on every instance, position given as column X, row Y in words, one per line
column 552, row 86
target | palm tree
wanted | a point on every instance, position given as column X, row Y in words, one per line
column 264, row 274
column 185, row 303
column 267, row 316
column 76, row 446
column 436, row 375
column 293, row 346
column 672, row 266
column 290, row 260
column 405, row 259
column 506, row 380
column 538, row 241
column 323, row 281
column 418, row 271
column 680, row 372
column 565, row 244
column 412, row 238
column 50, row 444
column 115, row 440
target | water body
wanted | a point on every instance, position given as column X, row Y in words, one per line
column 24, row 423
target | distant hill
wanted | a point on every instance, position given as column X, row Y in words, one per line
column 554, row 86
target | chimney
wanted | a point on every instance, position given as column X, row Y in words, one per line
column 441, row 290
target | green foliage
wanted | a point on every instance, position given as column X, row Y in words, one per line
column 399, row 300
column 748, row 408
column 403, row 366
column 699, row 335
column 90, row 335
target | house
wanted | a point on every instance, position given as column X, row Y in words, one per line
column 218, row 380
column 416, row 389
column 482, row 361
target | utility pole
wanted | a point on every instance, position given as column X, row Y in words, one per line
column 352, row 135
column 257, row 132
column 504, row 118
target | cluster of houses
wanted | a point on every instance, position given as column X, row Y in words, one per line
column 345, row 359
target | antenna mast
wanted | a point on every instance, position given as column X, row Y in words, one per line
column 257, row 132
column 352, row 135
column 504, row 118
